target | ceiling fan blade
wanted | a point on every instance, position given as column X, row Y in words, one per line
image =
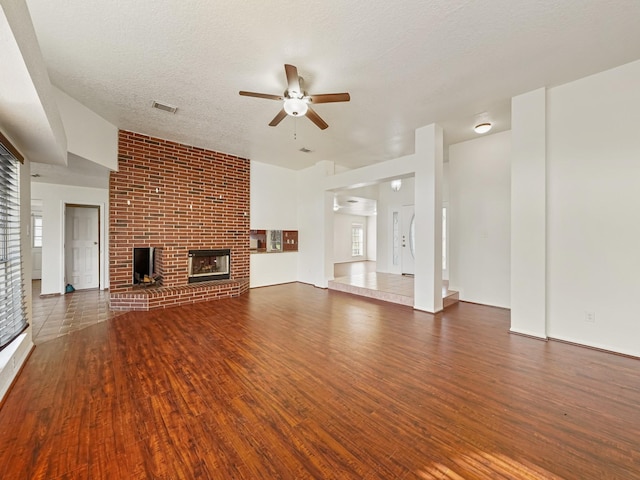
column 315, row 118
column 329, row 97
column 278, row 118
column 261, row 95
column 293, row 79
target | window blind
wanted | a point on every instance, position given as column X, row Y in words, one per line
column 13, row 318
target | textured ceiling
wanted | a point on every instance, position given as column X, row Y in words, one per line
column 405, row 64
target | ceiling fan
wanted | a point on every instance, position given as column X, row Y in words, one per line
column 297, row 102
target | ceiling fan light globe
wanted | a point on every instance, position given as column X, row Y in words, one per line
column 296, row 107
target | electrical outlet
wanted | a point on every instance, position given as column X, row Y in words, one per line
column 590, row 317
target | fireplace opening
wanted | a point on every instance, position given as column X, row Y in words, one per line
column 207, row 265
column 144, row 266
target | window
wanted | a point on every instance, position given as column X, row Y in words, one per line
column 37, row 231
column 12, row 309
column 444, row 238
column 357, row 240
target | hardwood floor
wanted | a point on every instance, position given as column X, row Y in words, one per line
column 295, row 382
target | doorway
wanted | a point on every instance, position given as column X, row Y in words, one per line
column 82, row 246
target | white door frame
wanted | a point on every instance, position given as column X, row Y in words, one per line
column 100, row 208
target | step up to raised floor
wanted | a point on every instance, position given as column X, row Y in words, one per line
column 371, row 293
column 449, row 298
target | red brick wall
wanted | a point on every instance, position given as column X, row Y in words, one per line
column 180, row 198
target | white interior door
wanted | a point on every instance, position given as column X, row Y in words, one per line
column 81, row 247
column 408, row 240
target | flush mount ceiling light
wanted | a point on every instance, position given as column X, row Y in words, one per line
column 483, row 127
column 396, row 185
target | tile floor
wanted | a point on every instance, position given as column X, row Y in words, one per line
column 361, row 278
column 55, row 316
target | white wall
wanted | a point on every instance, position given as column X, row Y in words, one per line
column 479, row 219
column 273, row 207
column 315, row 222
column 273, row 268
column 342, row 237
column 273, row 197
column 529, row 214
column 593, row 155
column 445, row 204
column 88, row 135
column 371, row 237
column 445, row 183
column 53, row 199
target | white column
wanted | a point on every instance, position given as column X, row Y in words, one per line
column 315, row 225
column 528, row 214
column 428, row 220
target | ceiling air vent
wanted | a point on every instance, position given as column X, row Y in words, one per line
column 164, row 106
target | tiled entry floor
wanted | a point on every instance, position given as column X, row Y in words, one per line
column 55, row 316
column 361, row 278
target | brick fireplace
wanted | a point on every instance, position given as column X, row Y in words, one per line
column 173, row 199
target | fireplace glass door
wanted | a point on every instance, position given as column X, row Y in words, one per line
column 207, row 265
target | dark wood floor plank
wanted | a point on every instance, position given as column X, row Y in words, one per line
column 297, row 382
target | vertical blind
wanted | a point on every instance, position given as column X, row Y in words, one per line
column 13, row 319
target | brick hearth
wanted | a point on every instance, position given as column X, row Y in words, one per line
column 162, row 297
column 175, row 198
